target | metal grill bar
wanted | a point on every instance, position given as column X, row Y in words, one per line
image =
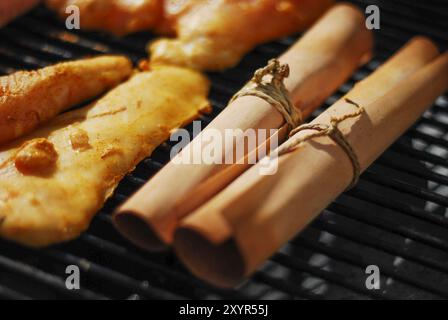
column 42, row 277
column 6, row 293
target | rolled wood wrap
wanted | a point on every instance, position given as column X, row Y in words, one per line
column 10, row 9
column 230, row 236
column 319, row 63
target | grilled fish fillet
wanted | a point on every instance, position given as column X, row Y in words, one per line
column 215, row 34
column 54, row 181
column 119, row 17
column 29, row 98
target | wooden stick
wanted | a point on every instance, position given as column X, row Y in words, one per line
column 320, row 62
column 230, row 236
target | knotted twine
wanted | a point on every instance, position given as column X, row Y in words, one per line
column 275, row 93
column 331, row 130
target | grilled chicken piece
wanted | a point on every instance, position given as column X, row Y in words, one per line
column 119, row 17
column 28, row 99
column 11, row 9
column 54, row 181
column 215, row 34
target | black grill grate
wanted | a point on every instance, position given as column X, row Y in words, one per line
column 397, row 218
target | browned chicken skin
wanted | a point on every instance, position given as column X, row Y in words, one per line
column 214, row 35
column 30, row 98
column 11, row 9
column 210, row 34
column 119, row 17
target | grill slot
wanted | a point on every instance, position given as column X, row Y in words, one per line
column 397, row 218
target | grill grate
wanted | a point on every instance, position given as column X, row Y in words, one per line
column 397, row 218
